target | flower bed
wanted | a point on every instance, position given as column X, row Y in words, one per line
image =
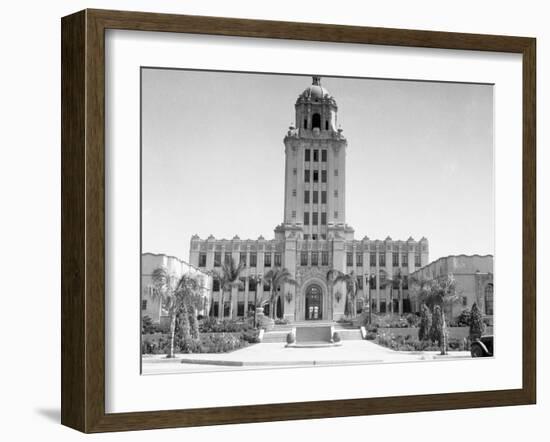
column 411, row 343
column 209, row 342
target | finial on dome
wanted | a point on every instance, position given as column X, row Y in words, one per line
column 316, row 81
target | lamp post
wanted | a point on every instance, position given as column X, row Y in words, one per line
column 371, row 281
column 258, row 280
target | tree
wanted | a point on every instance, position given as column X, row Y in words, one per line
column 440, row 292
column 437, row 329
column 396, row 280
column 183, row 329
column 477, row 327
column 174, row 292
column 350, row 281
column 230, row 277
column 277, row 278
column 425, row 323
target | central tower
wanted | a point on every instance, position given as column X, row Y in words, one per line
column 315, row 168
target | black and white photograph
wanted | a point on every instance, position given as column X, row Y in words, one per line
column 302, row 221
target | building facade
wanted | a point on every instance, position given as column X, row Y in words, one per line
column 151, row 305
column 314, row 237
column 474, row 282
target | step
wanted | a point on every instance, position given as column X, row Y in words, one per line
column 275, row 336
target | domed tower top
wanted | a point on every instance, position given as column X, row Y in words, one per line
column 316, row 111
column 315, row 93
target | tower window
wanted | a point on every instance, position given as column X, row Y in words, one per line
column 323, row 176
column 335, row 214
column 294, row 214
column 202, row 260
column 336, row 193
column 306, row 196
column 306, row 176
column 324, row 156
column 305, row 123
column 404, row 260
column 303, row 258
column 315, row 197
column 294, row 171
column 306, row 218
column 315, row 155
column 293, row 192
column 316, row 121
column 324, row 197
column 349, row 259
column 314, row 258
column 335, row 172
column 315, row 219
column 315, row 176
column 324, row 218
column 324, row 258
column 308, row 153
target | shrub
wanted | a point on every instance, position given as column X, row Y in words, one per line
column 251, row 336
column 425, row 323
column 212, row 325
column 477, row 327
column 336, row 337
column 464, row 318
column 147, row 326
column 155, row 343
column 282, row 321
column 290, row 338
column 371, row 336
column 372, row 328
column 412, row 320
column 220, row 343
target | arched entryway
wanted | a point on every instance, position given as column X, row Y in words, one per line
column 314, row 303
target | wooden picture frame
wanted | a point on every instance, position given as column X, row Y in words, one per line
column 83, row 220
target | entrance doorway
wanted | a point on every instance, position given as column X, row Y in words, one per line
column 314, row 303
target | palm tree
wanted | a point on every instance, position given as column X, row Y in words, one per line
column 384, row 283
column 277, row 278
column 350, row 280
column 396, row 280
column 371, row 281
column 174, row 292
column 420, row 289
column 230, row 277
column 442, row 292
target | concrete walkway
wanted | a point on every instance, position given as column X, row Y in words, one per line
column 273, row 355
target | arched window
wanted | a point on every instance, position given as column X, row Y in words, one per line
column 489, row 299
column 316, row 121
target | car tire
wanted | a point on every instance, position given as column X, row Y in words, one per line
column 476, row 351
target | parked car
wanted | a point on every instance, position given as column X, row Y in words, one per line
column 482, row 347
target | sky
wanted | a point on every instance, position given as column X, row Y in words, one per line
column 419, row 160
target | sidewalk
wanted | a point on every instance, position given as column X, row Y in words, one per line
column 271, row 355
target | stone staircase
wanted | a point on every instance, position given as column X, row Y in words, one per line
column 278, row 334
